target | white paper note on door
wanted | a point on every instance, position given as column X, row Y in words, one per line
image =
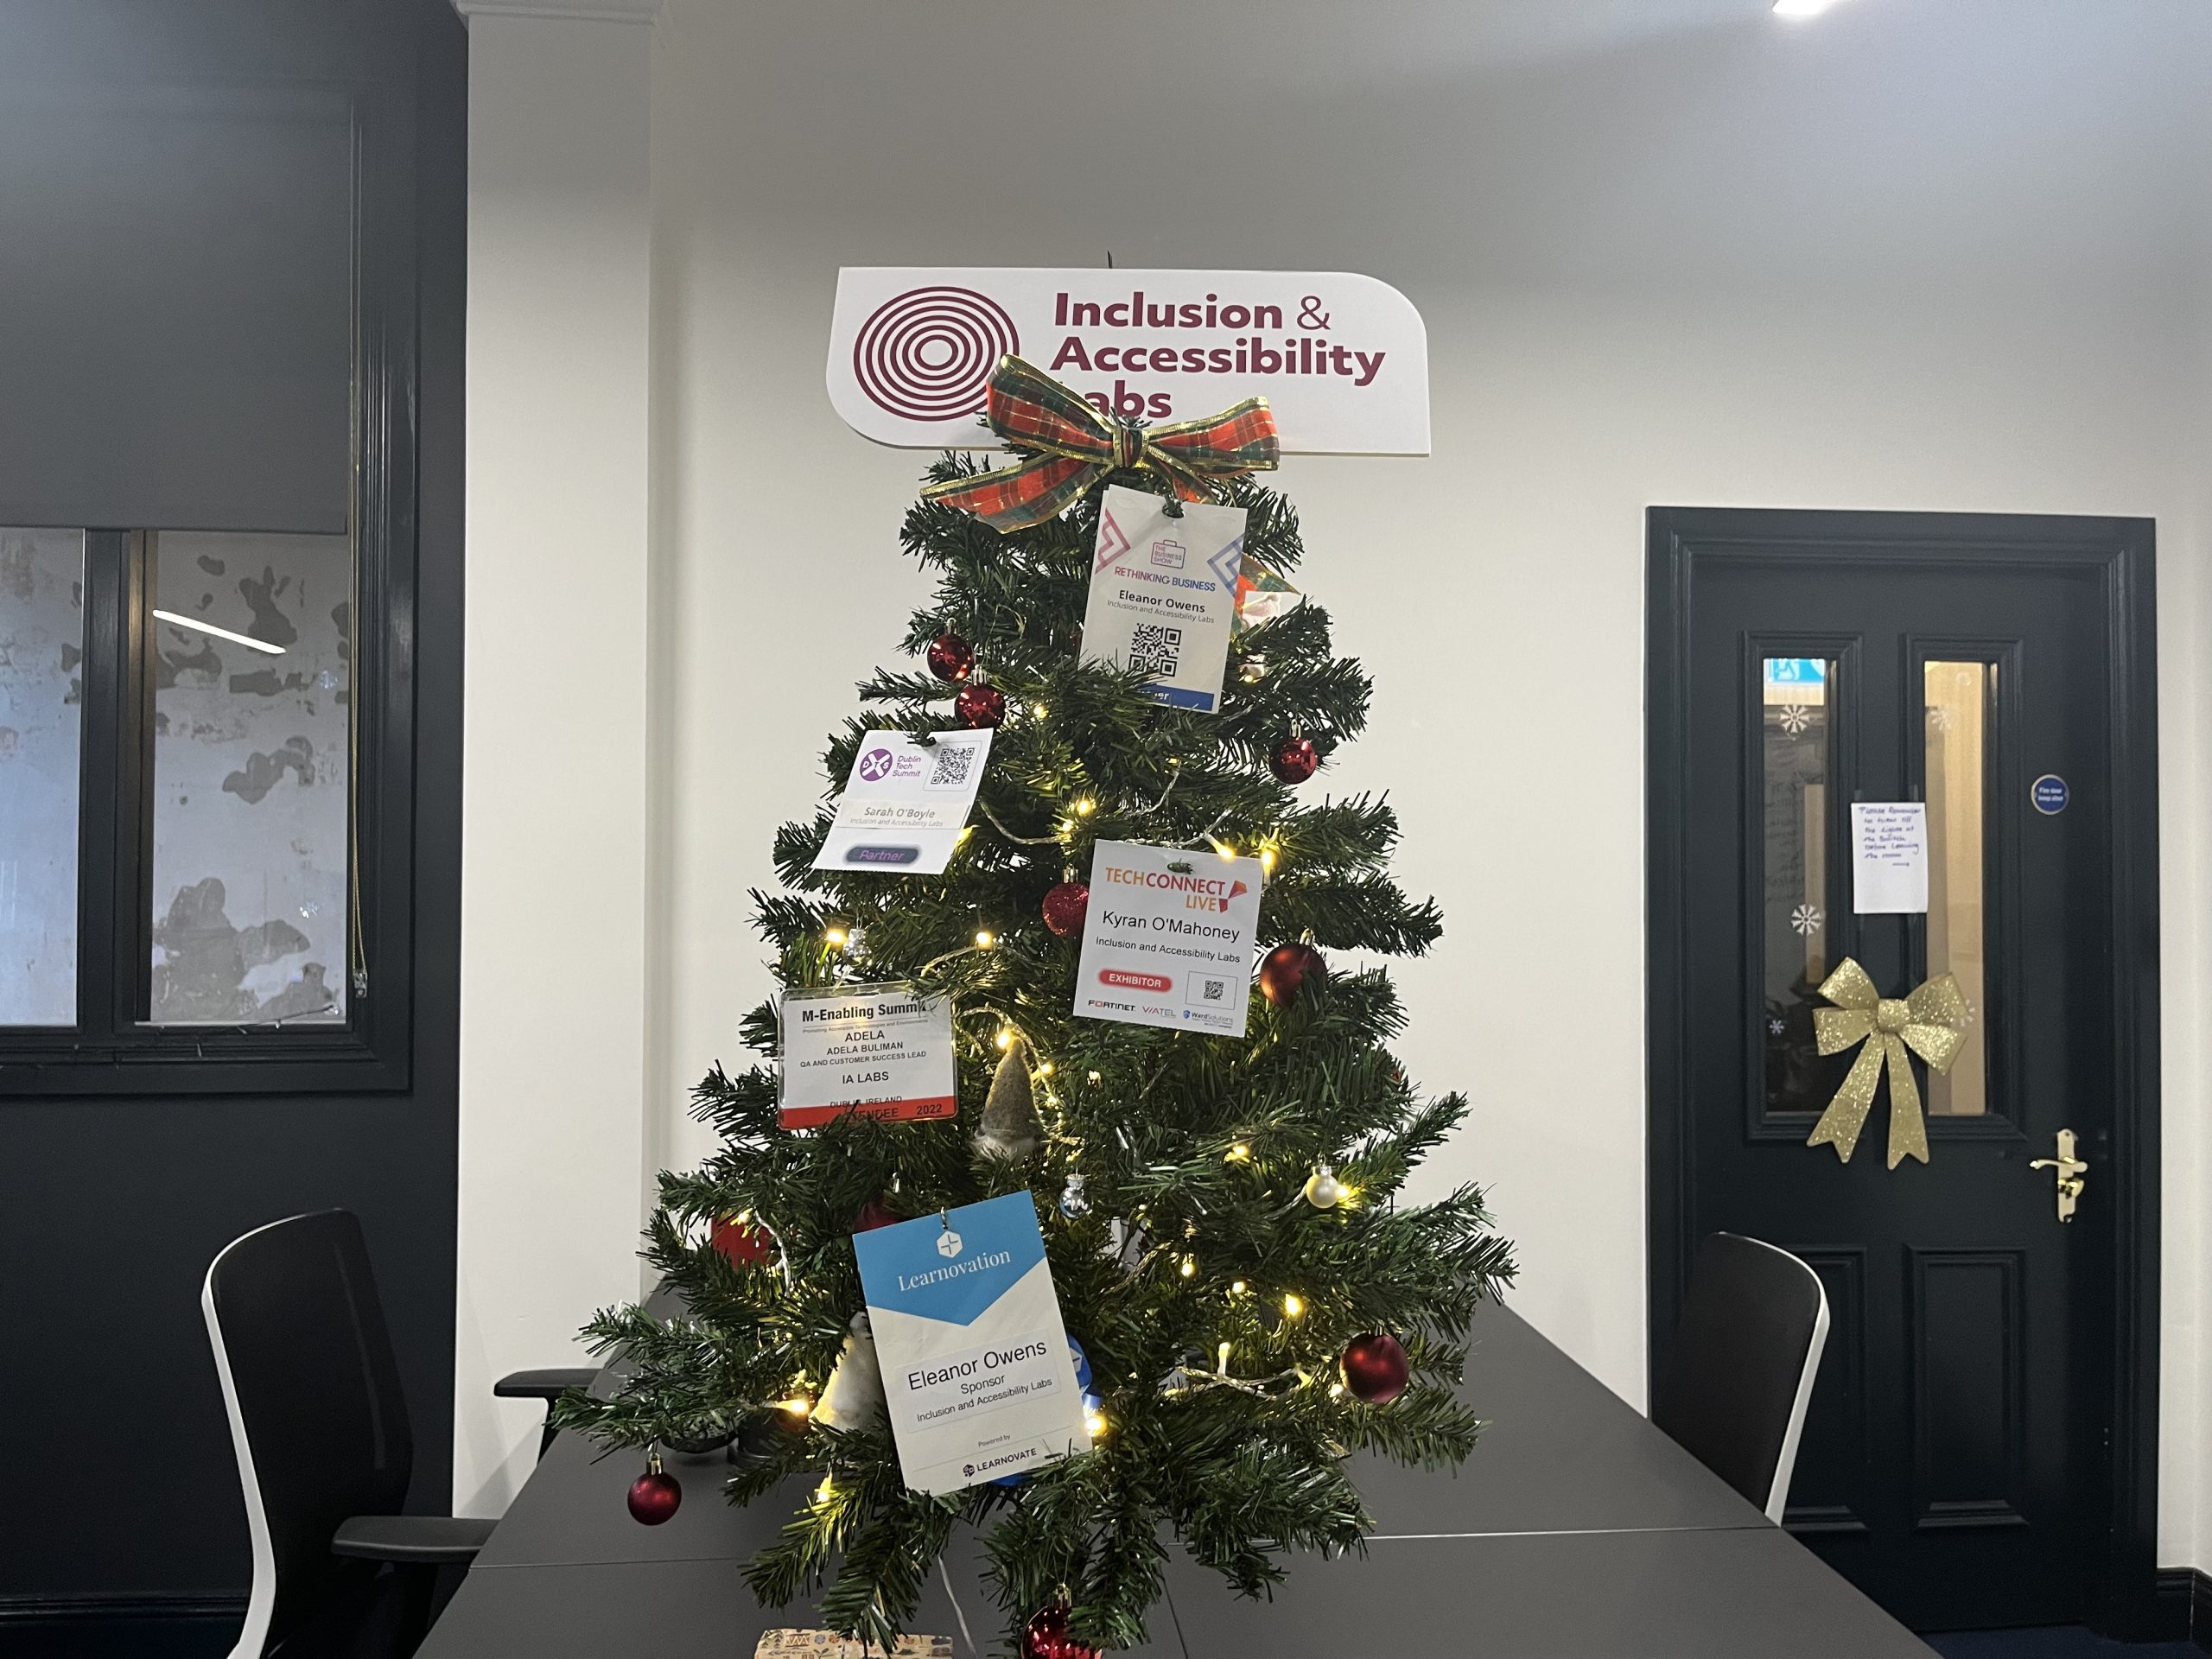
column 1889, row 857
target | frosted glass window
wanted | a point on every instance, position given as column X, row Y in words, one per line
column 41, row 703
column 1957, row 701
column 1795, row 698
column 249, row 641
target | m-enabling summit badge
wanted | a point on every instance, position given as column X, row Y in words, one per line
column 976, row 1374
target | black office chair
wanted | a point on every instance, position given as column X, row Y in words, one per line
column 1735, row 1388
column 324, row 1450
column 547, row 1385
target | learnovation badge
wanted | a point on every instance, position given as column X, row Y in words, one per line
column 977, row 1376
column 1343, row 358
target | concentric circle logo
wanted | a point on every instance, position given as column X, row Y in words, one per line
column 927, row 354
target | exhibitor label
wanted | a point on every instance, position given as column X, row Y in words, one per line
column 1167, row 938
column 885, row 1050
column 977, row 1377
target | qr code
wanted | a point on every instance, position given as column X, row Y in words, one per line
column 950, row 765
column 1214, row 990
column 1155, row 650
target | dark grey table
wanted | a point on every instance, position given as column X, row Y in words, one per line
column 1575, row 1529
column 1562, row 1453
column 1748, row 1592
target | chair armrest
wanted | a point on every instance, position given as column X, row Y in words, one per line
column 548, row 1385
column 411, row 1539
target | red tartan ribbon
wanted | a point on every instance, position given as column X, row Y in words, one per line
column 1076, row 447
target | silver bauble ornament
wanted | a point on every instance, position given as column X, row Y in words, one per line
column 1323, row 1190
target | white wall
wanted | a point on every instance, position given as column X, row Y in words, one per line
column 555, row 851
column 1938, row 256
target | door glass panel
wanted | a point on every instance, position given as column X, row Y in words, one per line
column 250, row 638
column 1796, row 696
column 1958, row 697
column 41, row 704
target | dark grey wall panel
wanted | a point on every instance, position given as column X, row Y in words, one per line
column 173, row 278
column 121, row 1485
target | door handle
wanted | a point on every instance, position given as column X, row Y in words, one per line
column 2070, row 1170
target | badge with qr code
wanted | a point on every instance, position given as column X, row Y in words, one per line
column 1163, row 594
column 1167, row 938
column 828, row 1644
column 905, row 804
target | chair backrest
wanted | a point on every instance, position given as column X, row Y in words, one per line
column 1735, row 1387
column 317, row 1418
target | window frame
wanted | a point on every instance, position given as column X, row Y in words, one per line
column 111, row 1050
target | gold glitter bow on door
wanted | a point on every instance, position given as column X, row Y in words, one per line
column 1928, row 1022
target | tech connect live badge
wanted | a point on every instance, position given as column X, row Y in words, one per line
column 2050, row 794
column 977, row 1372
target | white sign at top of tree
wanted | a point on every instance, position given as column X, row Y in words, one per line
column 1343, row 358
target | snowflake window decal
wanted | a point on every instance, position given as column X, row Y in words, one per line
column 1774, row 1027
column 1939, row 718
column 1796, row 717
column 1805, row 920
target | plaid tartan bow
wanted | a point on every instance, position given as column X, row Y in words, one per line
column 1076, row 447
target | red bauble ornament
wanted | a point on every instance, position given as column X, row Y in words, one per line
column 1045, row 1637
column 740, row 1242
column 980, row 705
column 655, row 1495
column 1375, row 1368
column 1295, row 759
column 1066, row 906
column 950, row 657
column 1285, row 970
column 873, row 1214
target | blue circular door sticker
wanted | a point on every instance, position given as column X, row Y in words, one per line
column 2050, row 794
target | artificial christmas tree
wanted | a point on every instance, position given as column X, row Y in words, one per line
column 1219, row 1212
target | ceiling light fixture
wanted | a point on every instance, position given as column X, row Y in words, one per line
column 1800, row 8
column 174, row 620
